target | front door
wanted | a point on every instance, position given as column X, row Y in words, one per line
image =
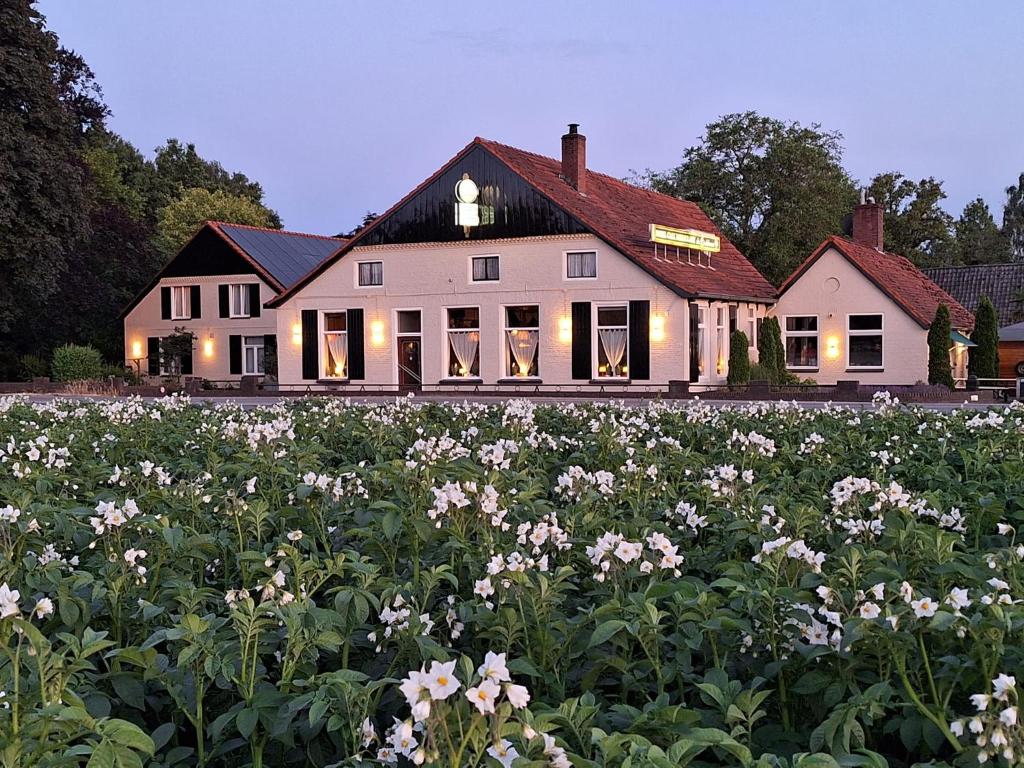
column 409, row 373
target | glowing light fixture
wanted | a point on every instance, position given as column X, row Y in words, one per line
column 377, row 333
column 657, row 328
column 565, row 329
column 832, row 347
column 296, row 333
column 208, row 347
column 136, row 350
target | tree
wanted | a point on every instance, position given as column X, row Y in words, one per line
column 977, row 237
column 771, row 355
column 42, row 205
column 915, row 225
column 939, row 370
column 368, row 218
column 984, row 358
column 739, row 358
column 1013, row 218
column 180, row 219
column 775, row 189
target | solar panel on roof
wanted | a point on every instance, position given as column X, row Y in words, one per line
column 284, row 255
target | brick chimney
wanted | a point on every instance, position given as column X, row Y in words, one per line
column 574, row 158
column 867, row 223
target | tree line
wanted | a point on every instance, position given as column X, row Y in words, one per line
column 777, row 189
column 86, row 219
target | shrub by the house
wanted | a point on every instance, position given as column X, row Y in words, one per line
column 74, row 362
column 739, row 358
column 939, row 371
column 984, row 359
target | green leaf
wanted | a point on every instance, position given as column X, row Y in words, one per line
column 246, row 721
column 605, row 631
column 129, row 689
column 127, row 734
column 818, row 760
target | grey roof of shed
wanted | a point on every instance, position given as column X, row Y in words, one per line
column 287, row 256
column 1002, row 283
column 1012, row 332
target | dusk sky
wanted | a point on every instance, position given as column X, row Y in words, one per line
column 342, row 107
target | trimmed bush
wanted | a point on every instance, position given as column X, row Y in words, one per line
column 739, row 358
column 984, row 358
column 34, row 367
column 74, row 363
column 771, row 355
column 939, row 371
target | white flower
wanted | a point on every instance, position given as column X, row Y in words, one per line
column 1009, row 716
column 441, row 680
column 869, row 611
column 980, row 701
column 957, row 598
column 1001, row 685
column 1004, row 529
column 483, row 696
column 628, row 551
column 413, row 686
column 957, row 728
column 368, row 732
column 494, row 668
column 9, row 601
column 517, row 695
column 44, row 607
column 483, row 588
column 924, row 607
column 503, row 752
column 294, row 535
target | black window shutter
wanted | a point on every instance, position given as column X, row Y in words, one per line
column 581, row 340
column 310, row 348
column 356, row 356
column 639, row 340
column 270, row 353
column 224, row 300
column 165, row 302
column 254, row 300
column 197, row 302
column 186, row 363
column 153, row 351
column 235, row 353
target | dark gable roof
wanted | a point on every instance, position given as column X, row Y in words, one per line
column 896, row 276
column 1002, row 283
column 276, row 255
column 616, row 212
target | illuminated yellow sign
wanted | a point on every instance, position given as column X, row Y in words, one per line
column 686, row 238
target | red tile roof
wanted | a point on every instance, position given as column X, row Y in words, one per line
column 897, row 277
column 621, row 215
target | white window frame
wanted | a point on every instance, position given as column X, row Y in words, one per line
column 721, row 339
column 506, row 357
column 703, row 340
column 447, row 346
column 242, row 291
column 485, row 281
column 185, row 291
column 873, row 332
column 596, row 344
column 815, row 334
column 751, row 327
column 565, row 265
column 255, row 370
column 322, row 357
column 359, row 270
column 399, row 333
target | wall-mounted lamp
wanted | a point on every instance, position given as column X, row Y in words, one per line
column 565, row 329
column 208, row 346
column 377, row 333
column 136, row 350
column 832, row 347
column 657, row 327
column 296, row 333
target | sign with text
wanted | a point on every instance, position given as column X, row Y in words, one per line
column 686, row 238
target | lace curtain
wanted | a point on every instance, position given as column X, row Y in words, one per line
column 464, row 344
column 524, row 346
column 613, row 340
column 337, row 347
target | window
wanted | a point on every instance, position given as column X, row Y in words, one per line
column 864, row 341
column 581, row 264
column 371, row 273
column 734, row 315
column 698, row 340
column 721, row 340
column 335, row 354
column 522, row 335
column 612, row 332
column 802, row 341
column 464, row 342
column 239, row 295
column 252, row 355
column 752, row 326
column 485, row 269
column 409, row 321
column 181, row 302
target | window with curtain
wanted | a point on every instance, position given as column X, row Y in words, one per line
column 721, row 340
column 252, row 355
column 371, row 273
column 181, row 302
column 581, row 264
column 522, row 337
column 239, row 294
column 612, row 335
column 864, row 341
column 802, row 341
column 464, row 342
column 485, row 269
column 335, row 355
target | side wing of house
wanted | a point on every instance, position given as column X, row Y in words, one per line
column 838, row 325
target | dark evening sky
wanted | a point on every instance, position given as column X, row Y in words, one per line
column 342, row 107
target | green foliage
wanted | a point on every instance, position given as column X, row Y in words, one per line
column 180, row 219
column 977, row 237
column 72, row 362
column 34, row 367
column 739, row 358
column 915, row 224
column 983, row 360
column 771, row 354
column 939, row 370
column 776, row 189
column 1013, row 218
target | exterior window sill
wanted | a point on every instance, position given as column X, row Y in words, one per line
column 470, row 380
column 803, row 370
column 333, row 381
column 865, row 370
column 528, row 380
column 611, row 380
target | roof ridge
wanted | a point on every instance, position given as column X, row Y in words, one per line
column 274, row 231
column 978, row 266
